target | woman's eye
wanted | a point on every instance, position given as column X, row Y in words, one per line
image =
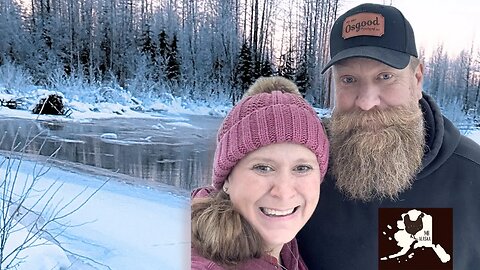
column 303, row 168
column 262, row 168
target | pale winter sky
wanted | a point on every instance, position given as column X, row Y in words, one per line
column 455, row 23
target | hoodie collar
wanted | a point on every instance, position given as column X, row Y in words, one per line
column 441, row 137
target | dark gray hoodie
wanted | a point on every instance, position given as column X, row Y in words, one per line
column 344, row 234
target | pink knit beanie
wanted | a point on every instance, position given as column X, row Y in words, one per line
column 263, row 119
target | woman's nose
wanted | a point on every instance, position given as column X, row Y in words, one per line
column 284, row 186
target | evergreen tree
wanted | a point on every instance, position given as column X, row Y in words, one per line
column 243, row 70
column 217, row 67
column 149, row 50
column 85, row 60
column 106, row 42
column 163, row 47
column 256, row 71
column 286, row 69
column 106, row 51
column 173, row 64
column 266, row 69
column 162, row 55
column 147, row 46
column 302, row 78
column 216, row 77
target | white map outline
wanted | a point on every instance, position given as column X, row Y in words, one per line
column 422, row 238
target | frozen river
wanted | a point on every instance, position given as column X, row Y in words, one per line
column 171, row 149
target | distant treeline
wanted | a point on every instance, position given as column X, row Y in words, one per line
column 197, row 49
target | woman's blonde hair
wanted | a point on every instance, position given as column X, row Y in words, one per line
column 221, row 234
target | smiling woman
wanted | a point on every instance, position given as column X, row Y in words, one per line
column 260, row 197
column 274, row 192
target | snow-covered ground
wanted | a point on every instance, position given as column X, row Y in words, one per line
column 122, row 226
column 475, row 135
column 124, row 105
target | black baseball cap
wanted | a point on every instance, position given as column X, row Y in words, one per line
column 373, row 31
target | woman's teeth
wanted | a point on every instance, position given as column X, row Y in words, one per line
column 276, row 213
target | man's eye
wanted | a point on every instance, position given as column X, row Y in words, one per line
column 303, row 168
column 262, row 168
column 385, row 76
column 348, row 79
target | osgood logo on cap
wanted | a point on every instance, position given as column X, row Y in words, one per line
column 363, row 24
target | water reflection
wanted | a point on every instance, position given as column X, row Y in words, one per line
column 174, row 151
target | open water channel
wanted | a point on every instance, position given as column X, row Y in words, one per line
column 171, row 149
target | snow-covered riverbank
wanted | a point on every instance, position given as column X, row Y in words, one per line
column 123, row 226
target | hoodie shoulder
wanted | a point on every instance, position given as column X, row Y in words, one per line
column 468, row 149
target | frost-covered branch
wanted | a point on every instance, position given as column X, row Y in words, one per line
column 32, row 212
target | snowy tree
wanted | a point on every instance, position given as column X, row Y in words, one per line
column 163, row 46
column 266, row 69
column 147, row 47
column 243, row 72
column 286, row 68
column 437, row 67
column 173, row 64
column 13, row 41
column 466, row 69
column 302, row 78
column 106, row 42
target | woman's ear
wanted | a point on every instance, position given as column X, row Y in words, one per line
column 226, row 185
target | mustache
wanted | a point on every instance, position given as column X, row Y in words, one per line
column 394, row 116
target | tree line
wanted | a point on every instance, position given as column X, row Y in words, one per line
column 190, row 48
column 203, row 49
column 454, row 81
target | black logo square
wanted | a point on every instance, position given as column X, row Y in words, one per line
column 415, row 238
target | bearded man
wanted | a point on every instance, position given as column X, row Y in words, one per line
column 390, row 148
